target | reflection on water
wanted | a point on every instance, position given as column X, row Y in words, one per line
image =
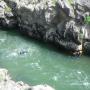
column 38, row 63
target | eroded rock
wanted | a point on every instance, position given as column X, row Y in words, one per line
column 57, row 21
column 7, row 18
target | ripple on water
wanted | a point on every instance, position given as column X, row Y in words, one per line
column 36, row 63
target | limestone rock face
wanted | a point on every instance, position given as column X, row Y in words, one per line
column 6, row 83
column 7, row 18
column 57, row 21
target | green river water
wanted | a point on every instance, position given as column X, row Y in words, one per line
column 35, row 63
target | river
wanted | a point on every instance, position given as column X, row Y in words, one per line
column 35, row 62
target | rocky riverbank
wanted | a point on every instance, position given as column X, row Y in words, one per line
column 6, row 83
column 58, row 21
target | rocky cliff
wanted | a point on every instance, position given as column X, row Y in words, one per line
column 61, row 22
column 6, row 83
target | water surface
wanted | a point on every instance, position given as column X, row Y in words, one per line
column 38, row 63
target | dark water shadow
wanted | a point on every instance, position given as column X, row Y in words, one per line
column 41, row 43
column 87, row 54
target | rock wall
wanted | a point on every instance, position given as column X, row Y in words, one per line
column 6, row 83
column 57, row 21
